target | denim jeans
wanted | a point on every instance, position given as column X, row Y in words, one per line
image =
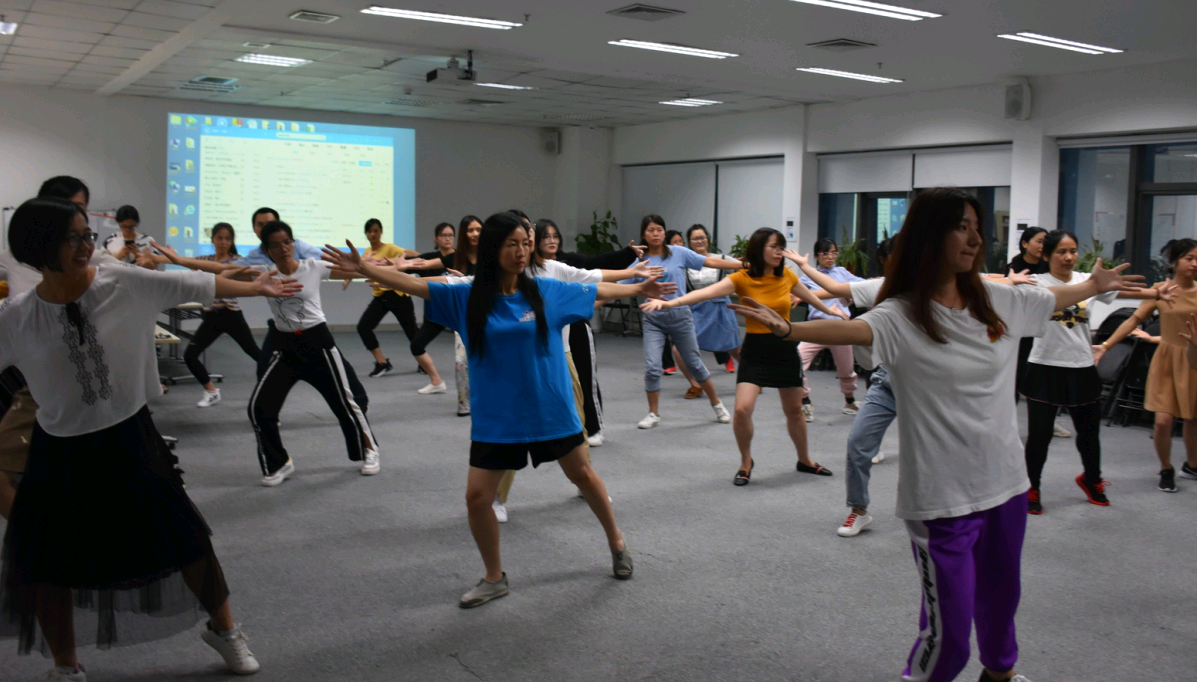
column 678, row 324
column 876, row 413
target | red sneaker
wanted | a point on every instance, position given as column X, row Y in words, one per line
column 731, row 366
column 669, row 371
column 1033, row 505
column 1096, row 492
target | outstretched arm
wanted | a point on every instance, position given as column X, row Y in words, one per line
column 826, row 332
column 722, row 263
column 351, row 264
column 263, row 285
column 639, row 270
column 836, row 289
column 169, row 255
column 815, row 302
column 649, row 287
column 723, row 287
column 1101, row 281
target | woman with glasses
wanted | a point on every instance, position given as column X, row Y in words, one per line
column 714, row 324
column 826, row 254
column 102, row 526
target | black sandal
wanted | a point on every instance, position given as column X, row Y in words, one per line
column 742, row 477
column 817, row 469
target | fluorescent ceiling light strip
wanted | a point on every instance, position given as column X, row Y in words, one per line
column 441, row 18
column 691, row 102
column 1069, row 42
column 504, row 86
column 272, row 60
column 855, row 76
column 1047, row 43
column 874, row 8
column 677, row 49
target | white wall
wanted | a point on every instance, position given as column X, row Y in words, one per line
column 117, row 146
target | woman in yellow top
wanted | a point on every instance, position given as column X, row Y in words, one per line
column 765, row 360
column 385, row 301
column 1171, row 382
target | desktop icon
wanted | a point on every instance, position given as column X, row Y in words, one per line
column 191, row 143
column 237, row 122
column 207, row 120
column 222, row 122
column 172, row 209
column 311, row 128
column 265, row 125
column 295, row 127
column 173, row 168
column 176, row 120
column 174, row 231
column 192, row 122
column 190, row 189
column 190, row 210
column 188, row 253
column 175, row 142
column 175, row 187
column 253, row 124
column 279, row 125
column 189, row 166
column 188, row 233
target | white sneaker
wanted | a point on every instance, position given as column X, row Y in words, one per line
column 596, row 440
column 65, row 674
column 234, row 648
column 432, row 388
column 209, row 399
column 649, row 421
column 1060, row 432
column 721, row 414
column 808, row 411
column 370, row 465
column 279, row 476
column 500, row 510
column 852, row 407
column 854, row 524
column 879, row 457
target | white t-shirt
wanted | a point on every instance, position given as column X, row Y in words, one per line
column 1067, row 343
column 552, row 269
column 116, row 241
column 957, row 428
column 864, row 295
column 85, row 387
column 303, row 310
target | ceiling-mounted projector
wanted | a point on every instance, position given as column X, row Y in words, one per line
column 454, row 74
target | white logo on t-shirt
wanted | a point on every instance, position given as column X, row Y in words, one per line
column 529, row 316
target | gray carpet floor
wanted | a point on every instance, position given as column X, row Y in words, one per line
column 336, row 576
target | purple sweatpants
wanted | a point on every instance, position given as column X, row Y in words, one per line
column 969, row 567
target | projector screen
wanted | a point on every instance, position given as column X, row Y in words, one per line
column 324, row 179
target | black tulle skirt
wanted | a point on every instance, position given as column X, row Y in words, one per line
column 1061, row 385
column 102, row 520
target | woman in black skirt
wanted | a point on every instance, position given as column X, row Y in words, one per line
column 102, row 533
column 765, row 360
column 1061, row 373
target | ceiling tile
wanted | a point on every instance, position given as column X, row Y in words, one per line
column 81, row 11
column 68, row 23
column 155, row 21
column 120, row 52
column 179, row 10
column 47, row 33
column 141, row 33
column 107, row 61
column 51, row 46
column 11, row 59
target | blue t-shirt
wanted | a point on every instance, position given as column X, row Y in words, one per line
column 302, row 252
column 680, row 259
column 520, row 391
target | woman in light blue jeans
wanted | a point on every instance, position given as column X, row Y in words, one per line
column 676, row 323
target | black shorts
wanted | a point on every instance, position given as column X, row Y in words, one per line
column 503, row 456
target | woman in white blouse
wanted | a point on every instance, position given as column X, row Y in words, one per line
column 101, row 522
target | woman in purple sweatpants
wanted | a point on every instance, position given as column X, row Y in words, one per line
column 950, row 340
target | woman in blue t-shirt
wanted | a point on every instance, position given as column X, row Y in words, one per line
column 521, row 394
column 675, row 323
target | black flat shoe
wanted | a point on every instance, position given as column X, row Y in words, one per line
column 742, row 477
column 817, row 469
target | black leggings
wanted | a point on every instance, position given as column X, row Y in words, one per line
column 428, row 332
column 581, row 345
column 1086, row 421
column 387, row 302
column 217, row 321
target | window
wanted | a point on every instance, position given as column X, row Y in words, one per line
column 1095, row 199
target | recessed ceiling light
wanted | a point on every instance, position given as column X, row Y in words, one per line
column 504, row 86
column 691, row 102
column 440, row 18
column 856, row 76
column 1048, row 41
column 7, row 27
column 676, row 49
column 875, row 8
column 272, row 60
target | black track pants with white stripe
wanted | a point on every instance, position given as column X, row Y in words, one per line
column 314, row 358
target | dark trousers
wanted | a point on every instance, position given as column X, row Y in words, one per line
column 581, row 344
column 1086, row 422
column 427, row 333
column 312, row 357
column 268, row 347
column 667, row 361
column 387, row 302
column 215, row 322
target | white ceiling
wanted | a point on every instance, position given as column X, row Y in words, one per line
column 361, row 62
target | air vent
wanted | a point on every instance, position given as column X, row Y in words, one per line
column 208, row 87
column 645, row 12
column 574, row 117
column 480, row 102
column 213, row 80
column 415, row 102
column 841, row 45
column 314, row 17
column 257, row 46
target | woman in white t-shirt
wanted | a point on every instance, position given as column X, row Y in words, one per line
column 102, row 522
column 949, row 340
column 1060, row 372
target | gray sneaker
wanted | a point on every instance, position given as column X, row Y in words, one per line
column 484, row 592
column 622, row 563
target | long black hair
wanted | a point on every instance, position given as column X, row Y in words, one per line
column 754, row 253
column 1027, row 235
column 461, row 254
column 232, row 235
column 654, row 219
column 542, row 233
column 495, row 231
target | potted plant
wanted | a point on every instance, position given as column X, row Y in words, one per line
column 853, row 257
column 603, row 236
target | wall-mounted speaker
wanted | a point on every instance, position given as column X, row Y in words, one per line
column 1018, row 101
column 550, row 140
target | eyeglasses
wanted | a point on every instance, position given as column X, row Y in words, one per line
column 74, row 239
column 551, row 238
column 275, row 246
column 830, row 253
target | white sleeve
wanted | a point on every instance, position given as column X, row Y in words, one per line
column 887, row 321
column 864, row 291
column 468, row 279
column 1025, row 310
column 567, row 273
column 162, row 290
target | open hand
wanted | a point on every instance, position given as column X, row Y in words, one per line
column 344, row 262
column 1140, row 334
column 1191, row 326
column 640, row 249
column 1112, row 279
column 798, row 260
column 642, row 269
column 1024, row 277
column 1168, row 292
column 267, row 285
column 752, row 310
column 652, row 287
column 652, row 305
column 168, row 251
